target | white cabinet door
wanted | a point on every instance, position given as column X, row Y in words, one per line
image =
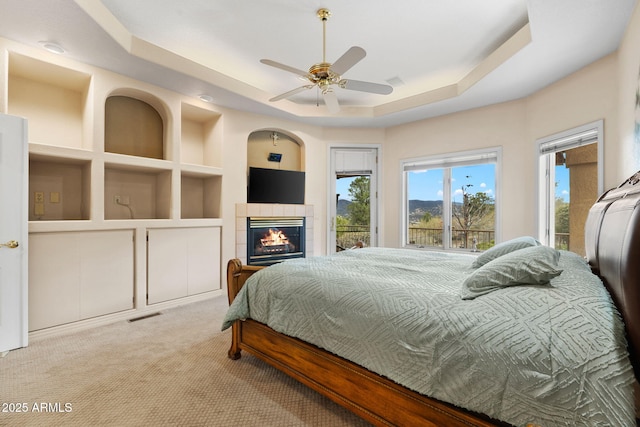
column 182, row 262
column 54, row 282
column 78, row 275
column 106, row 276
column 204, row 259
column 167, row 264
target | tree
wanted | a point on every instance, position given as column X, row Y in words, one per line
column 562, row 216
column 359, row 207
column 473, row 209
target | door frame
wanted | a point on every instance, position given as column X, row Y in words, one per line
column 376, row 189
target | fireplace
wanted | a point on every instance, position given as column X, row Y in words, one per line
column 273, row 239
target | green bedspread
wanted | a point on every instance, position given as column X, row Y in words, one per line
column 549, row 355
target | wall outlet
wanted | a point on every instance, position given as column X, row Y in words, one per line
column 121, row 200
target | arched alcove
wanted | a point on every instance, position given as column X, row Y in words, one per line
column 133, row 127
column 275, row 149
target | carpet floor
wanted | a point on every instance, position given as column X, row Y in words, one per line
column 166, row 370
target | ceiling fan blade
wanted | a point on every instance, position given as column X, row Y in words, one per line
column 366, row 87
column 290, row 93
column 284, row 67
column 331, row 101
column 350, row 58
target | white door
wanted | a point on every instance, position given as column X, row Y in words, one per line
column 13, row 232
column 353, row 184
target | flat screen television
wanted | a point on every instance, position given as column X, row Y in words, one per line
column 275, row 186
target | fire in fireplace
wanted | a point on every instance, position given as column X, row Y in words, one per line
column 270, row 240
column 275, row 242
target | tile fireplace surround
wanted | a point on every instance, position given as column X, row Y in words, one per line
column 246, row 210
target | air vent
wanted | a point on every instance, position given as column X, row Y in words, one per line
column 146, row 316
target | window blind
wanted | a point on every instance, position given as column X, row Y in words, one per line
column 572, row 141
column 466, row 159
column 354, row 162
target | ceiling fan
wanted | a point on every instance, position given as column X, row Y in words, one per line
column 324, row 75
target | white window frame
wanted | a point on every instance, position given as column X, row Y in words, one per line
column 582, row 135
column 446, row 161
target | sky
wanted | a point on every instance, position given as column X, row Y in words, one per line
column 562, row 179
column 428, row 185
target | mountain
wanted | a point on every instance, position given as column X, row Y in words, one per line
column 417, row 208
column 342, row 207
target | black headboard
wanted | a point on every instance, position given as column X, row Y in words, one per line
column 612, row 240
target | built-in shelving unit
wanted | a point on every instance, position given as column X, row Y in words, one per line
column 58, row 188
column 200, row 195
column 136, row 192
column 55, row 100
column 200, row 134
column 113, row 161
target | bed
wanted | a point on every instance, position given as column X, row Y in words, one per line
column 455, row 339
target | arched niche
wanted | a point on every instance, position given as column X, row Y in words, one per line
column 135, row 124
column 266, row 145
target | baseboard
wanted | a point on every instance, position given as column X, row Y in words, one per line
column 120, row 316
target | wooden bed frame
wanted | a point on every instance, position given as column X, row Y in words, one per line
column 613, row 250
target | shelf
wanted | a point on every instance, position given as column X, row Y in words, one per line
column 43, row 151
column 200, row 196
column 122, row 161
column 53, row 98
column 201, row 133
column 59, row 188
column 199, row 170
column 136, row 193
column 133, row 127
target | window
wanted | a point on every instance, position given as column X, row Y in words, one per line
column 570, row 180
column 451, row 201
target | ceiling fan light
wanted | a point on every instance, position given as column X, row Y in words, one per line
column 324, row 74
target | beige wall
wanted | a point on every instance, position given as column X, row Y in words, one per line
column 315, row 143
column 603, row 90
column 625, row 159
column 498, row 125
column 262, row 143
column 583, row 97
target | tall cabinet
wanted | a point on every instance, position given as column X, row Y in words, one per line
column 125, row 187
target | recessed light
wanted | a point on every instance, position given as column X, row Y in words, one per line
column 205, row 98
column 52, row 47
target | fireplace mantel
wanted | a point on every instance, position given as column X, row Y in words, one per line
column 246, row 210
